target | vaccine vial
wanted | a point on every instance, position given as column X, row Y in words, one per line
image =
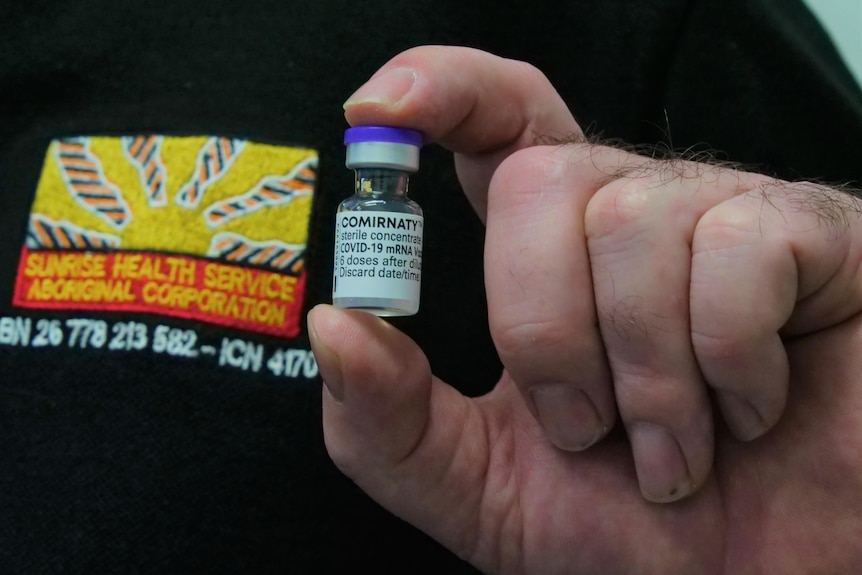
column 378, row 230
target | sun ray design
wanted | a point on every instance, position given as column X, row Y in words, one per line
column 173, row 226
column 85, row 180
column 144, row 153
column 45, row 233
column 274, row 254
column 272, row 190
column 214, row 159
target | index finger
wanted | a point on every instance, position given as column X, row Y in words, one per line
column 480, row 106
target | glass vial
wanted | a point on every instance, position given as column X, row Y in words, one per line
column 378, row 230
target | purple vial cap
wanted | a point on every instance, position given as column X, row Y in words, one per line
column 382, row 134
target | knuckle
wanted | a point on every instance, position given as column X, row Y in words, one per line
column 618, row 203
column 728, row 224
column 342, row 454
column 646, row 394
column 530, row 73
column 526, row 174
column 717, row 348
column 516, row 339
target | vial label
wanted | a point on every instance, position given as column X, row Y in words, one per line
column 378, row 255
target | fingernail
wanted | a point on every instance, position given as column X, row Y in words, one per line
column 568, row 416
column 741, row 416
column 386, row 89
column 328, row 361
column 661, row 467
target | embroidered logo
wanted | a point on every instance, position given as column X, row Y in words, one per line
column 206, row 228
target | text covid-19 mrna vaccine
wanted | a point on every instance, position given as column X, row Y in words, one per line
column 378, row 230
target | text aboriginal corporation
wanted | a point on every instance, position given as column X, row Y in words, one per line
column 180, row 282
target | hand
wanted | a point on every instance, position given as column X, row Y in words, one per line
column 616, row 284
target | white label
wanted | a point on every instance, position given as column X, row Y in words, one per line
column 377, row 255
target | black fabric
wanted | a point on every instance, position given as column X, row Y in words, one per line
column 139, row 463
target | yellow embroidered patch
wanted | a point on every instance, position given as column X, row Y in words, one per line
column 206, row 228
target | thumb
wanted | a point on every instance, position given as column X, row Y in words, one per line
column 413, row 443
column 378, row 386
